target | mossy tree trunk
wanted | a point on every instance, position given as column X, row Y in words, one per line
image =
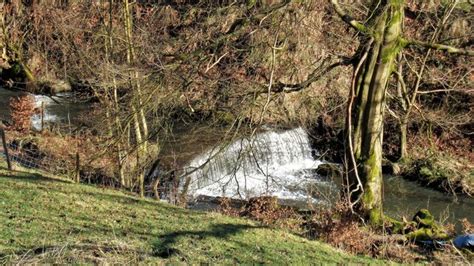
column 382, row 44
column 370, row 103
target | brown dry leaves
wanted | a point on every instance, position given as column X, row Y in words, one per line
column 22, row 108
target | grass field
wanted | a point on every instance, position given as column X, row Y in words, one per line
column 44, row 220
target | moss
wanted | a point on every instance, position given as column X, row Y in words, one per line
column 397, row 3
column 14, row 72
column 431, row 171
column 398, row 227
column 423, row 227
column 373, row 181
column 376, row 216
column 251, row 3
column 360, row 27
column 424, row 234
column 225, row 117
column 403, row 42
column 391, row 51
column 424, row 219
column 426, row 227
column 426, row 173
column 442, row 173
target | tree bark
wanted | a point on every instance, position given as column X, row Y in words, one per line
column 384, row 26
column 403, row 139
column 369, row 108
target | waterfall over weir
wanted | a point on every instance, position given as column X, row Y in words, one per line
column 271, row 163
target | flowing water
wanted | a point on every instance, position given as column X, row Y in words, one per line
column 277, row 163
column 281, row 164
column 58, row 109
column 272, row 163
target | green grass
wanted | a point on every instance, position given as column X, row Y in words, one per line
column 44, row 220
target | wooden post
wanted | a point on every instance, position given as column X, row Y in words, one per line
column 42, row 116
column 78, row 168
column 5, row 148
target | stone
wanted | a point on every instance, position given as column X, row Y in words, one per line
column 329, row 170
column 391, row 168
column 424, row 218
column 54, row 86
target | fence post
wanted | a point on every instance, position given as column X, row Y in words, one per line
column 42, row 116
column 78, row 168
column 5, row 148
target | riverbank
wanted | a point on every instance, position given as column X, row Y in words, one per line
column 440, row 165
column 48, row 220
column 435, row 163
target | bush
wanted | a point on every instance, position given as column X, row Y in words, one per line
column 22, row 108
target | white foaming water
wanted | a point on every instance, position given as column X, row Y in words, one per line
column 271, row 163
column 48, row 116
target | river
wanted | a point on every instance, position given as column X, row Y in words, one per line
column 58, row 109
column 280, row 163
column 276, row 162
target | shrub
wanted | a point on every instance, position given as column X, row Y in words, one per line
column 22, row 108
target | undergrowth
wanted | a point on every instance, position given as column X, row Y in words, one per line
column 340, row 228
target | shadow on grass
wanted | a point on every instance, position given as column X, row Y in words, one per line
column 28, row 176
column 163, row 247
column 108, row 194
column 131, row 200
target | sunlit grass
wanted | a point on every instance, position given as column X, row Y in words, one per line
column 51, row 220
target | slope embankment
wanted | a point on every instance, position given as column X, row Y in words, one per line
column 48, row 220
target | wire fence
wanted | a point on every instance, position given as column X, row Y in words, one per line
column 27, row 155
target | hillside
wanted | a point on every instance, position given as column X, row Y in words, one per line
column 51, row 220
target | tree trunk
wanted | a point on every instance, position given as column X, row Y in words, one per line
column 403, row 139
column 114, row 105
column 139, row 119
column 369, row 107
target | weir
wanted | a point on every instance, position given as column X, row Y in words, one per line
column 279, row 163
column 273, row 163
column 49, row 117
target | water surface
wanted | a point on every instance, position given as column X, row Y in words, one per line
column 60, row 108
column 280, row 163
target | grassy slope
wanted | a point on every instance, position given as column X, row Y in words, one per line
column 45, row 220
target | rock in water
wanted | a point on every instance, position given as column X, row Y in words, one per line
column 54, row 86
column 464, row 241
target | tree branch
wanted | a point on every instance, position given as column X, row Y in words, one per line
column 314, row 76
column 440, row 47
column 347, row 18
